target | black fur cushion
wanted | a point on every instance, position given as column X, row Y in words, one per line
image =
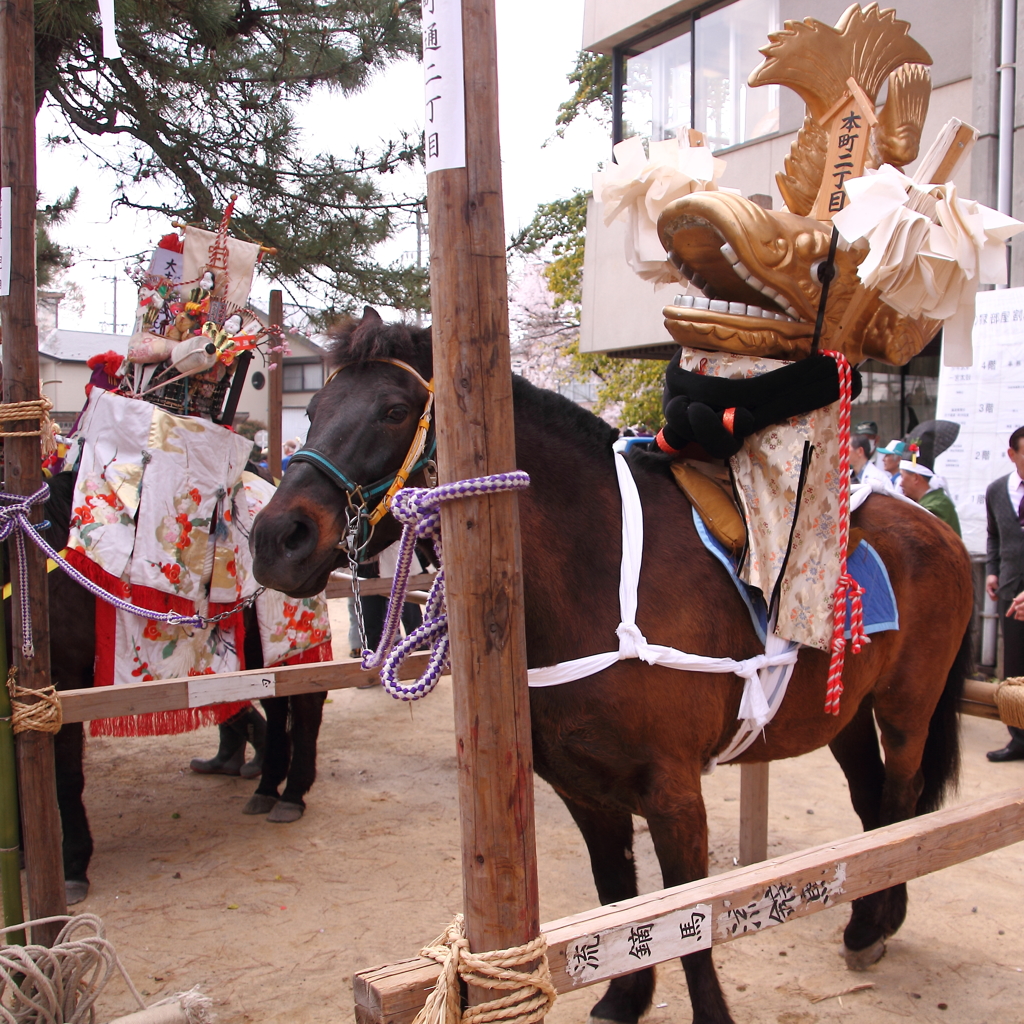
column 694, row 403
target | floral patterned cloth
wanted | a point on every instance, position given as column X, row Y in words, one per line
column 792, row 533
column 161, row 516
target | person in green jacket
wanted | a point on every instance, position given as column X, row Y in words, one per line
column 915, row 477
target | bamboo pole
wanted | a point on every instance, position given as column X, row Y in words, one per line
column 274, row 397
column 10, row 840
column 475, row 431
column 22, row 464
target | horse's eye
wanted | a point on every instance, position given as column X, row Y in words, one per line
column 396, row 414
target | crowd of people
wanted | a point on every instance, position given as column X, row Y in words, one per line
column 897, row 468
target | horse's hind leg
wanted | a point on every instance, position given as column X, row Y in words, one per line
column 77, row 839
column 878, row 915
column 678, row 822
column 608, row 834
column 276, row 758
column 307, row 711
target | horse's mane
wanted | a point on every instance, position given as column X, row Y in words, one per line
column 362, row 341
column 558, row 416
column 369, row 338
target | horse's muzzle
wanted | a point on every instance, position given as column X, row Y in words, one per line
column 290, row 553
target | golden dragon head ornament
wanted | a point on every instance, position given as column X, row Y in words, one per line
column 757, row 268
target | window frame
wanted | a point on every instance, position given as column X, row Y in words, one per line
column 301, row 363
column 671, row 29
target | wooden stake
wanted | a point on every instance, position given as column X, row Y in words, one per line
column 275, row 385
column 472, row 370
column 41, row 836
column 753, row 812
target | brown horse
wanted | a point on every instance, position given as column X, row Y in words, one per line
column 633, row 739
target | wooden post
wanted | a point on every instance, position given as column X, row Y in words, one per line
column 753, row 813
column 275, row 384
column 41, row 835
column 472, row 369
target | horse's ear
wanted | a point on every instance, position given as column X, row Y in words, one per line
column 370, row 315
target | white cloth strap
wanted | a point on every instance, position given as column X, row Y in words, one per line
column 780, row 655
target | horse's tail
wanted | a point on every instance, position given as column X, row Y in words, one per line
column 941, row 762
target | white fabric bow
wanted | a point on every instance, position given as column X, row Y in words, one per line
column 928, row 250
column 638, row 187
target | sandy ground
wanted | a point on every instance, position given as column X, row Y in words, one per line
column 272, row 920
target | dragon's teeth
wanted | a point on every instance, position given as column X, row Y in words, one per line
column 701, row 302
column 739, row 308
column 743, row 274
column 683, row 300
column 770, row 292
column 792, row 313
column 719, row 306
column 755, row 311
column 730, row 253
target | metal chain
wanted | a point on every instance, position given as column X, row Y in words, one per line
column 15, row 510
column 353, row 518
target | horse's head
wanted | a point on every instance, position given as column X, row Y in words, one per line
column 363, row 425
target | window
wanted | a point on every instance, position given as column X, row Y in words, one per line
column 302, row 376
column 698, row 77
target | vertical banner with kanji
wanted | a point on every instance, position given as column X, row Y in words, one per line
column 987, row 400
column 444, row 126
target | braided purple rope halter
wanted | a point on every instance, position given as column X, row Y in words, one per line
column 15, row 510
column 419, row 509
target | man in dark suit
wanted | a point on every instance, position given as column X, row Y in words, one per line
column 1004, row 502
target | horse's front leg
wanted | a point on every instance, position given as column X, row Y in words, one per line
column 307, row 711
column 675, row 813
column 275, row 759
column 608, row 833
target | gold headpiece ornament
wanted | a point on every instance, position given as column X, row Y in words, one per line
column 761, row 264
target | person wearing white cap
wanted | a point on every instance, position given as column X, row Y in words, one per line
column 916, row 480
column 892, row 454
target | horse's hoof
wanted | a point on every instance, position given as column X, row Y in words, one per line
column 259, row 803
column 862, row 959
column 75, row 890
column 285, row 811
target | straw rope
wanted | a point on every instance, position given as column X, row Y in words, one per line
column 41, row 715
column 58, row 984
column 1010, row 701
column 530, row 992
column 37, row 409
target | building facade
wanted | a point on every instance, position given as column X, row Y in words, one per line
column 685, row 65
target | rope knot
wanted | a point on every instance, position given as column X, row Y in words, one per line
column 520, row 971
column 631, row 640
column 419, row 511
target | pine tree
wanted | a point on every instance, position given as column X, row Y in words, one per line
column 201, row 103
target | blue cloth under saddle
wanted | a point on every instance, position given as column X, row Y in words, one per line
column 864, row 565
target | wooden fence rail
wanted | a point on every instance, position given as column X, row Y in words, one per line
column 199, row 691
column 609, row 941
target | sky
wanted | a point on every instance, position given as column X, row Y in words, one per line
column 537, row 46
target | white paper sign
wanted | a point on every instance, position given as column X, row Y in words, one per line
column 987, row 400
column 111, row 51
column 444, row 126
column 624, row 949
column 5, row 240
column 166, row 263
column 203, row 690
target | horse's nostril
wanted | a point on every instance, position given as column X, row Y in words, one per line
column 299, row 539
